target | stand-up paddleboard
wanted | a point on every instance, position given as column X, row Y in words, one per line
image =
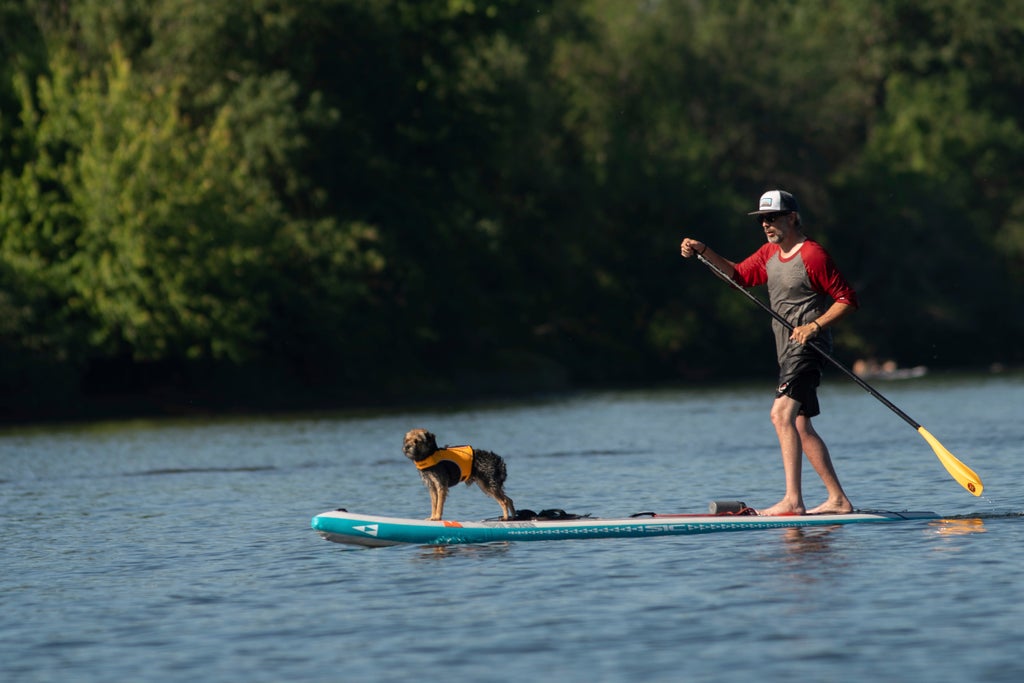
column 342, row 526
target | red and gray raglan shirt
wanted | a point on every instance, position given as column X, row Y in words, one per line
column 801, row 288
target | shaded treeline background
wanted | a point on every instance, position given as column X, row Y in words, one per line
column 256, row 203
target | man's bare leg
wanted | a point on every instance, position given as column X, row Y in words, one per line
column 784, row 415
column 817, row 454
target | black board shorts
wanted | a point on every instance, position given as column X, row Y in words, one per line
column 804, row 390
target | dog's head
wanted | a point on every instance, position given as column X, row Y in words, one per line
column 419, row 444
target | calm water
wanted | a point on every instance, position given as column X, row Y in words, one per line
column 181, row 551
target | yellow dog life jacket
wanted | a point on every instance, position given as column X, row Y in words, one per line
column 460, row 456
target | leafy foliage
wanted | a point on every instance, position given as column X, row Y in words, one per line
column 361, row 198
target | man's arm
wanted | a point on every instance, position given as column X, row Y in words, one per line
column 836, row 312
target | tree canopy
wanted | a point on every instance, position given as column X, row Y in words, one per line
column 245, row 203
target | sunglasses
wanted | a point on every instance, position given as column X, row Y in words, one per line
column 771, row 217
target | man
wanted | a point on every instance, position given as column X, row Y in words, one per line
column 807, row 289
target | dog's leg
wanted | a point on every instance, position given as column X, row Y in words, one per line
column 508, row 508
column 440, row 496
column 434, row 495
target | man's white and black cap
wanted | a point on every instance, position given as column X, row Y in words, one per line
column 774, row 201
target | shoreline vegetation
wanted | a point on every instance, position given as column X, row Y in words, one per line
column 469, row 390
column 233, row 206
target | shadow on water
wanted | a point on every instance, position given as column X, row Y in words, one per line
column 587, row 453
column 198, row 470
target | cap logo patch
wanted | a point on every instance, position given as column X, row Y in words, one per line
column 766, row 203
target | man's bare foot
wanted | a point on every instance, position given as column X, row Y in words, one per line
column 842, row 506
column 783, row 508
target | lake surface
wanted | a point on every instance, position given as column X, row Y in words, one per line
column 181, row 550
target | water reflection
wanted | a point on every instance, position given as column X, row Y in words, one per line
column 802, row 541
column 959, row 527
column 805, row 556
column 477, row 550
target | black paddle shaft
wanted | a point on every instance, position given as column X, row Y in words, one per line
column 817, row 347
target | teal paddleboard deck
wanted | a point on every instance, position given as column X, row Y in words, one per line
column 342, row 526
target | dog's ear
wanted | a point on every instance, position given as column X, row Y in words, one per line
column 430, row 440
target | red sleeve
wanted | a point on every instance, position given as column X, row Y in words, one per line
column 753, row 271
column 825, row 276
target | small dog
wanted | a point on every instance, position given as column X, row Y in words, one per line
column 445, row 467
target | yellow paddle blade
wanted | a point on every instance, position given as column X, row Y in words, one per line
column 961, row 472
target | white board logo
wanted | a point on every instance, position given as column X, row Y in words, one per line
column 368, row 529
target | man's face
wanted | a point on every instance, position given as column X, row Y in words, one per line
column 776, row 225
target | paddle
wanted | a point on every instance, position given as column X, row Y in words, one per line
column 959, row 471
